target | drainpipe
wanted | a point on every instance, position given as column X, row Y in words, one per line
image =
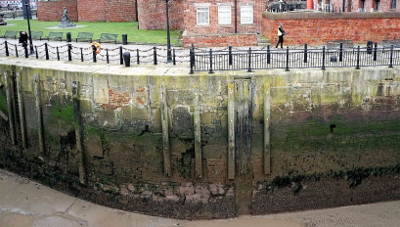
column 235, row 16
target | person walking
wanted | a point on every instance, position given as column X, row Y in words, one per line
column 281, row 33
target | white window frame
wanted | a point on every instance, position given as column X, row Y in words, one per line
column 202, row 9
column 245, row 9
column 222, row 11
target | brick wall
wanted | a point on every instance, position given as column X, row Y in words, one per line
column 53, row 10
column 312, row 28
column 88, row 10
column 152, row 14
column 220, row 40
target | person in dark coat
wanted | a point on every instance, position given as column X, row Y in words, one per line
column 23, row 38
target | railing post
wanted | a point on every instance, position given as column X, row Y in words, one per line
column 191, row 60
column 121, row 60
column 305, row 53
column 358, row 58
column 6, row 46
column 137, row 57
column 230, row 55
column 107, row 56
column 211, row 63
column 249, row 67
column 323, row 58
column 287, row 59
column 155, row 55
column 82, row 54
column 58, row 54
column 26, row 51
column 194, row 62
column 36, row 52
column 173, row 57
column 94, row 55
column 391, row 57
column 340, row 52
column 268, row 55
column 16, row 50
column 69, row 52
column 375, row 50
column 46, row 49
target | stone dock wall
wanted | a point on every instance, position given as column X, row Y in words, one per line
column 160, row 141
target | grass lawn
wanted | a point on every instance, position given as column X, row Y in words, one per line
column 129, row 28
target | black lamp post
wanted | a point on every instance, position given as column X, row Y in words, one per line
column 28, row 14
column 169, row 56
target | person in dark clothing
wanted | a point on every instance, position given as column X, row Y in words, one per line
column 281, row 33
column 23, row 38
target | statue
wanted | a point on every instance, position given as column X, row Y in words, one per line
column 65, row 20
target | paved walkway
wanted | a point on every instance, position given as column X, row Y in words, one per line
column 26, row 203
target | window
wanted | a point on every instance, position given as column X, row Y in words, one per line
column 393, row 4
column 224, row 15
column 202, row 16
column 378, row 6
column 246, row 14
column 362, row 5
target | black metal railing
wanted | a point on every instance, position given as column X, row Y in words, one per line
column 287, row 59
column 219, row 59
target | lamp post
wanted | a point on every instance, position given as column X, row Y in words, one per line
column 169, row 56
column 28, row 14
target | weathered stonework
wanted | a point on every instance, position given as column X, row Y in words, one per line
column 333, row 132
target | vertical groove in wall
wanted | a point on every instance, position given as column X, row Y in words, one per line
column 21, row 110
column 165, row 131
column 78, row 132
column 38, row 105
column 197, row 138
column 10, row 108
column 267, row 135
column 231, row 131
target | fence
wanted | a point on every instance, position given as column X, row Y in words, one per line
column 68, row 52
column 293, row 58
column 220, row 59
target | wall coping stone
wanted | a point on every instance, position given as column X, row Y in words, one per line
column 313, row 15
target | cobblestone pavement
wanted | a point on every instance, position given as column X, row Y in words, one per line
column 26, row 203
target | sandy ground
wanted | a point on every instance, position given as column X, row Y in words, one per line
column 27, row 203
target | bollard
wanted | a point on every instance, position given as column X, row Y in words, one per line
column 173, row 57
column 69, row 37
column 37, row 54
column 375, row 50
column 191, row 61
column 391, row 57
column 81, row 54
column 268, row 55
column 341, row 52
column 16, row 50
column 26, row 51
column 58, row 54
column 124, row 39
column 127, row 58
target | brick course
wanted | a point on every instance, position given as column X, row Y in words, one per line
column 308, row 28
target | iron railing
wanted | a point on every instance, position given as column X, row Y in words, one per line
column 293, row 58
